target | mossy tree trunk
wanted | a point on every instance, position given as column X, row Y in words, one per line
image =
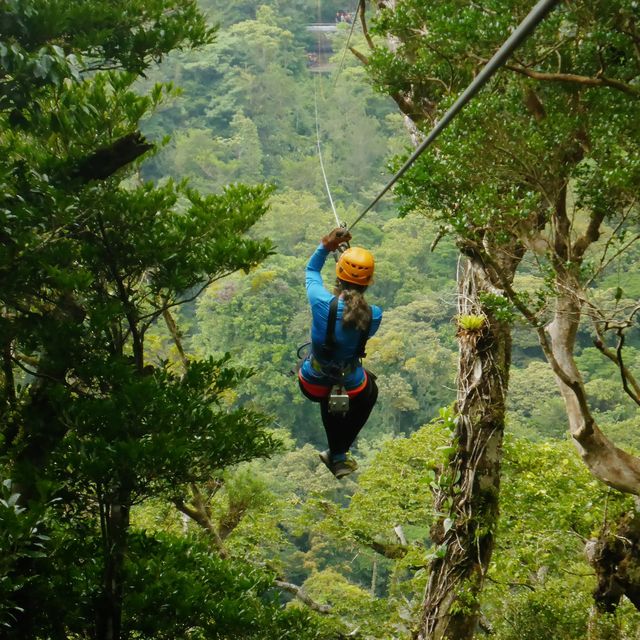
column 615, row 557
column 466, row 497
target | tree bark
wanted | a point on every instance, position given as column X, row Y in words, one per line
column 605, row 461
column 615, row 556
column 115, row 527
column 104, row 162
column 467, row 497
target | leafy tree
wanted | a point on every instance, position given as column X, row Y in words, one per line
column 91, row 425
column 219, row 161
column 542, row 141
column 534, row 403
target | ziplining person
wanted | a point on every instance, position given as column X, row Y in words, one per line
column 342, row 322
column 333, row 374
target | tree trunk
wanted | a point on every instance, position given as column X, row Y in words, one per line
column 615, row 557
column 605, row 461
column 467, row 497
column 115, row 527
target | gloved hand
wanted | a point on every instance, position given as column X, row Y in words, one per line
column 335, row 238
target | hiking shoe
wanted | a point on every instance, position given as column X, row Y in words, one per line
column 343, row 468
column 339, row 468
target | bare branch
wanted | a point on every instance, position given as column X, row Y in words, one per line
column 302, row 595
column 571, row 78
column 545, row 54
column 363, row 22
column 38, row 374
column 614, row 233
column 360, row 56
column 175, row 334
column 604, row 265
column 616, row 357
column 442, row 232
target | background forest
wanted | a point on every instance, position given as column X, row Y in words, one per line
column 241, row 532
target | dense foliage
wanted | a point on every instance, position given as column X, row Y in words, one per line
column 91, row 424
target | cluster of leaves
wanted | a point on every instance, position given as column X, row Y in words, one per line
column 21, row 539
column 203, row 596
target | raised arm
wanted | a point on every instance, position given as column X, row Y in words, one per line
column 313, row 276
column 313, row 279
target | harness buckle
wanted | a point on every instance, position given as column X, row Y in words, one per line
column 338, row 400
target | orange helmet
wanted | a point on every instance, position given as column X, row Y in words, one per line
column 356, row 266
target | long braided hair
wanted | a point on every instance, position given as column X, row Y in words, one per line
column 356, row 310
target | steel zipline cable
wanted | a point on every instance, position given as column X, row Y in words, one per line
column 524, row 30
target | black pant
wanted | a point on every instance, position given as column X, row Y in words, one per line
column 343, row 428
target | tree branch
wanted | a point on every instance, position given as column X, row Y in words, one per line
column 302, row 595
column 200, row 514
column 603, row 259
column 363, row 22
column 603, row 265
column 104, row 162
column 571, row 78
column 562, row 238
column 591, row 235
column 526, row 585
column 360, row 56
column 175, row 334
column 131, row 313
column 616, row 357
column 388, row 550
column 156, row 313
column 400, row 534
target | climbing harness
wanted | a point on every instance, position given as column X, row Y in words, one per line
column 330, row 344
column 338, row 397
column 524, row 30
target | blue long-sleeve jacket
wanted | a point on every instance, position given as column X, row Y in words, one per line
column 347, row 340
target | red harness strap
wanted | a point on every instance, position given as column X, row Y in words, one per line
column 322, row 391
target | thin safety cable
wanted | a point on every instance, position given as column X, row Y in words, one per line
column 324, row 174
column 524, row 30
column 346, row 46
